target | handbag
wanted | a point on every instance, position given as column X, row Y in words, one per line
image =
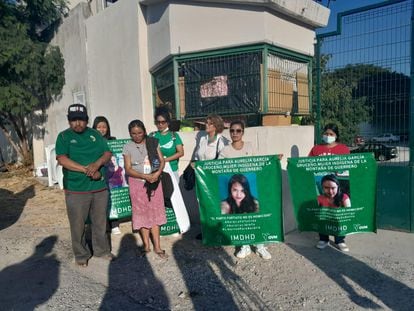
column 167, row 188
column 189, row 177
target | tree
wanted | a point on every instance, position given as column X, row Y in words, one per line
column 31, row 70
column 339, row 101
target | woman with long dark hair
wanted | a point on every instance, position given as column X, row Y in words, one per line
column 239, row 200
column 143, row 164
column 330, row 146
column 332, row 194
column 170, row 142
column 101, row 124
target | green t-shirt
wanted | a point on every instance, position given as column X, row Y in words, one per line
column 168, row 145
column 83, row 148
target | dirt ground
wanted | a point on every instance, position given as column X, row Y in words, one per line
column 37, row 270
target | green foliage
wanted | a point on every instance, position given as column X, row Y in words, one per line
column 31, row 71
column 341, row 101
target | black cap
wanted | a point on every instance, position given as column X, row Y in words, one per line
column 77, row 112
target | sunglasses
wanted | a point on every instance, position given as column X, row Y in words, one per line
column 160, row 122
column 238, row 131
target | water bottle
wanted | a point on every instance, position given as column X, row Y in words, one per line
column 155, row 164
column 147, row 166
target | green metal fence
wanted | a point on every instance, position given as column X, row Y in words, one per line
column 363, row 83
column 252, row 80
column 364, row 72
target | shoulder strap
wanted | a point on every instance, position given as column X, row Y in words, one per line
column 217, row 148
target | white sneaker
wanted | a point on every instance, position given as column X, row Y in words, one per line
column 244, row 252
column 322, row 244
column 342, row 247
column 116, row 230
column 263, row 252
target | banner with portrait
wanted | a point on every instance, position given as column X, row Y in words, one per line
column 334, row 195
column 240, row 200
column 119, row 201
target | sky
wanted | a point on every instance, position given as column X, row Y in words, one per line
column 341, row 6
column 379, row 37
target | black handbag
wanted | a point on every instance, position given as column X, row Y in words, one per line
column 167, row 188
column 189, row 177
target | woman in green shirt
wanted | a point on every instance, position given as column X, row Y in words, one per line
column 170, row 142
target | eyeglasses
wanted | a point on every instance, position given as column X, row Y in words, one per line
column 238, row 131
column 160, row 122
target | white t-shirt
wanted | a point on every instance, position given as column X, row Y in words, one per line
column 229, row 152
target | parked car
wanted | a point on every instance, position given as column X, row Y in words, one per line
column 359, row 140
column 382, row 152
column 385, row 138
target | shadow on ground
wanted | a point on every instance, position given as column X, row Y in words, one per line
column 26, row 285
column 132, row 282
column 12, row 205
column 210, row 281
column 345, row 270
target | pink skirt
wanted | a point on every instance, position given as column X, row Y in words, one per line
column 145, row 213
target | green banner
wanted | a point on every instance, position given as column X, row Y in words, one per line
column 171, row 226
column 334, row 195
column 240, row 200
column 119, row 201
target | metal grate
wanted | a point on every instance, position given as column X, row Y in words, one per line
column 365, row 76
column 164, row 92
column 226, row 85
column 288, row 86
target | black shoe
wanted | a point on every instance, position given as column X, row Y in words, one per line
column 199, row 236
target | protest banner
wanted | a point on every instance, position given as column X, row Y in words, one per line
column 119, row 201
column 334, row 195
column 240, row 200
column 177, row 216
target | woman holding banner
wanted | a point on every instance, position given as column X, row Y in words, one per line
column 144, row 164
column 330, row 146
column 210, row 144
column 239, row 199
column 170, row 142
column 101, row 124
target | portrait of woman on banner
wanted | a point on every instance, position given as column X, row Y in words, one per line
column 332, row 194
column 239, row 197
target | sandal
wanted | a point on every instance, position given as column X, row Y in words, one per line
column 82, row 264
column 162, row 254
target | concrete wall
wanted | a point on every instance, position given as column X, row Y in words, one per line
column 184, row 28
column 119, row 81
column 108, row 55
column 71, row 39
column 291, row 141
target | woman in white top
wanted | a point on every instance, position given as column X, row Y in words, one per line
column 210, row 144
column 240, row 148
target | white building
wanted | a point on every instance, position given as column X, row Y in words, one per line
column 123, row 58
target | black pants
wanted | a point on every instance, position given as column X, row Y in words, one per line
column 338, row 239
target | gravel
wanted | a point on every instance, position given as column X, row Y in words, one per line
column 37, row 270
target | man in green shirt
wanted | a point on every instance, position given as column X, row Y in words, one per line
column 83, row 152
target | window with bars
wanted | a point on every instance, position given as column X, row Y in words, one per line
column 233, row 84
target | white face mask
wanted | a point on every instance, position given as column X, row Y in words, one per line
column 328, row 139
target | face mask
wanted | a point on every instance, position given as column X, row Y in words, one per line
column 328, row 139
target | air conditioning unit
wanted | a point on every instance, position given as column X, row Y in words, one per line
column 79, row 98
